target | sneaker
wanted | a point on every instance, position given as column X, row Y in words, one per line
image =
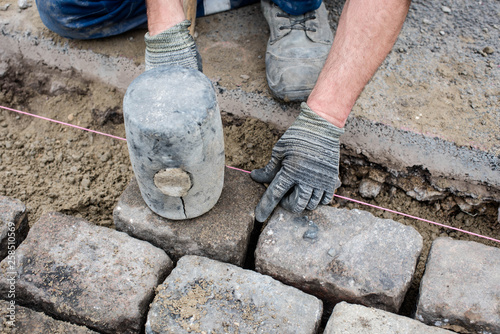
column 296, row 50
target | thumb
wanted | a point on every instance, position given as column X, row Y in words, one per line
column 267, row 174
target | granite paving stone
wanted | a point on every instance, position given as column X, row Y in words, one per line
column 26, row 321
column 13, row 224
column 341, row 255
column 357, row 319
column 461, row 286
column 85, row 274
column 222, row 234
column 207, row 296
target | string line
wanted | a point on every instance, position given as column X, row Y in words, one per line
column 245, row 171
column 238, row 169
column 417, row 218
column 63, row 123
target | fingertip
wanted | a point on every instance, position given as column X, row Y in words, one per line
column 297, row 200
column 260, row 216
column 268, row 173
column 337, row 183
column 327, row 198
column 288, row 204
column 271, row 198
column 316, row 197
column 258, row 175
column 265, row 207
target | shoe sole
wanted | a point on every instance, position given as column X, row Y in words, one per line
column 291, row 96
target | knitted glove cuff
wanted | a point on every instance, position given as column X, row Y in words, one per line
column 172, row 39
column 174, row 46
column 316, row 124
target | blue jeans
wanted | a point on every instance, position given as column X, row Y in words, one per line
column 297, row 7
column 79, row 19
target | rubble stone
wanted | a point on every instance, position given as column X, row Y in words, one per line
column 341, row 255
column 461, row 286
column 85, row 274
column 377, row 175
column 416, row 187
column 222, row 234
column 25, row 320
column 369, row 188
column 357, row 319
column 13, row 224
column 206, row 296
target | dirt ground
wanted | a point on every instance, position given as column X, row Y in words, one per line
column 52, row 167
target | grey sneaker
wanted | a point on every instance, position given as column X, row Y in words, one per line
column 296, row 50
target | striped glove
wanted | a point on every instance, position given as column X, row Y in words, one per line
column 174, row 46
column 304, row 166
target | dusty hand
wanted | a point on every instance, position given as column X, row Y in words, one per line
column 303, row 170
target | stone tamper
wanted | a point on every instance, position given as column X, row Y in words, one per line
column 175, row 141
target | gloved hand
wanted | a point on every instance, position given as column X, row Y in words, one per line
column 304, row 166
column 174, row 46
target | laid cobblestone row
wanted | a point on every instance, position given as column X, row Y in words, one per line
column 341, row 255
column 222, row 234
column 207, row 296
column 13, row 224
column 85, row 274
column 357, row 319
column 32, row 322
column 68, row 272
column 461, row 286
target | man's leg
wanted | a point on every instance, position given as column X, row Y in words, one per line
column 91, row 19
column 163, row 15
column 299, row 42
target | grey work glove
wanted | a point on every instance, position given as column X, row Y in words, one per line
column 174, row 46
column 304, row 166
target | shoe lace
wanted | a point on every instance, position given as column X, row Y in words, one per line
column 296, row 23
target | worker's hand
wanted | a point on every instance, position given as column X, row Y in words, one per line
column 304, row 166
column 174, row 46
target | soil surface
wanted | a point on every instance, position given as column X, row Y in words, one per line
column 51, row 167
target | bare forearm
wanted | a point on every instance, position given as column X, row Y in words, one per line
column 366, row 33
column 163, row 14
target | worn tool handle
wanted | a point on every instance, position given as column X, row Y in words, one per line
column 190, row 12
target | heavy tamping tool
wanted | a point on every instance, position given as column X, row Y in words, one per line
column 175, row 141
